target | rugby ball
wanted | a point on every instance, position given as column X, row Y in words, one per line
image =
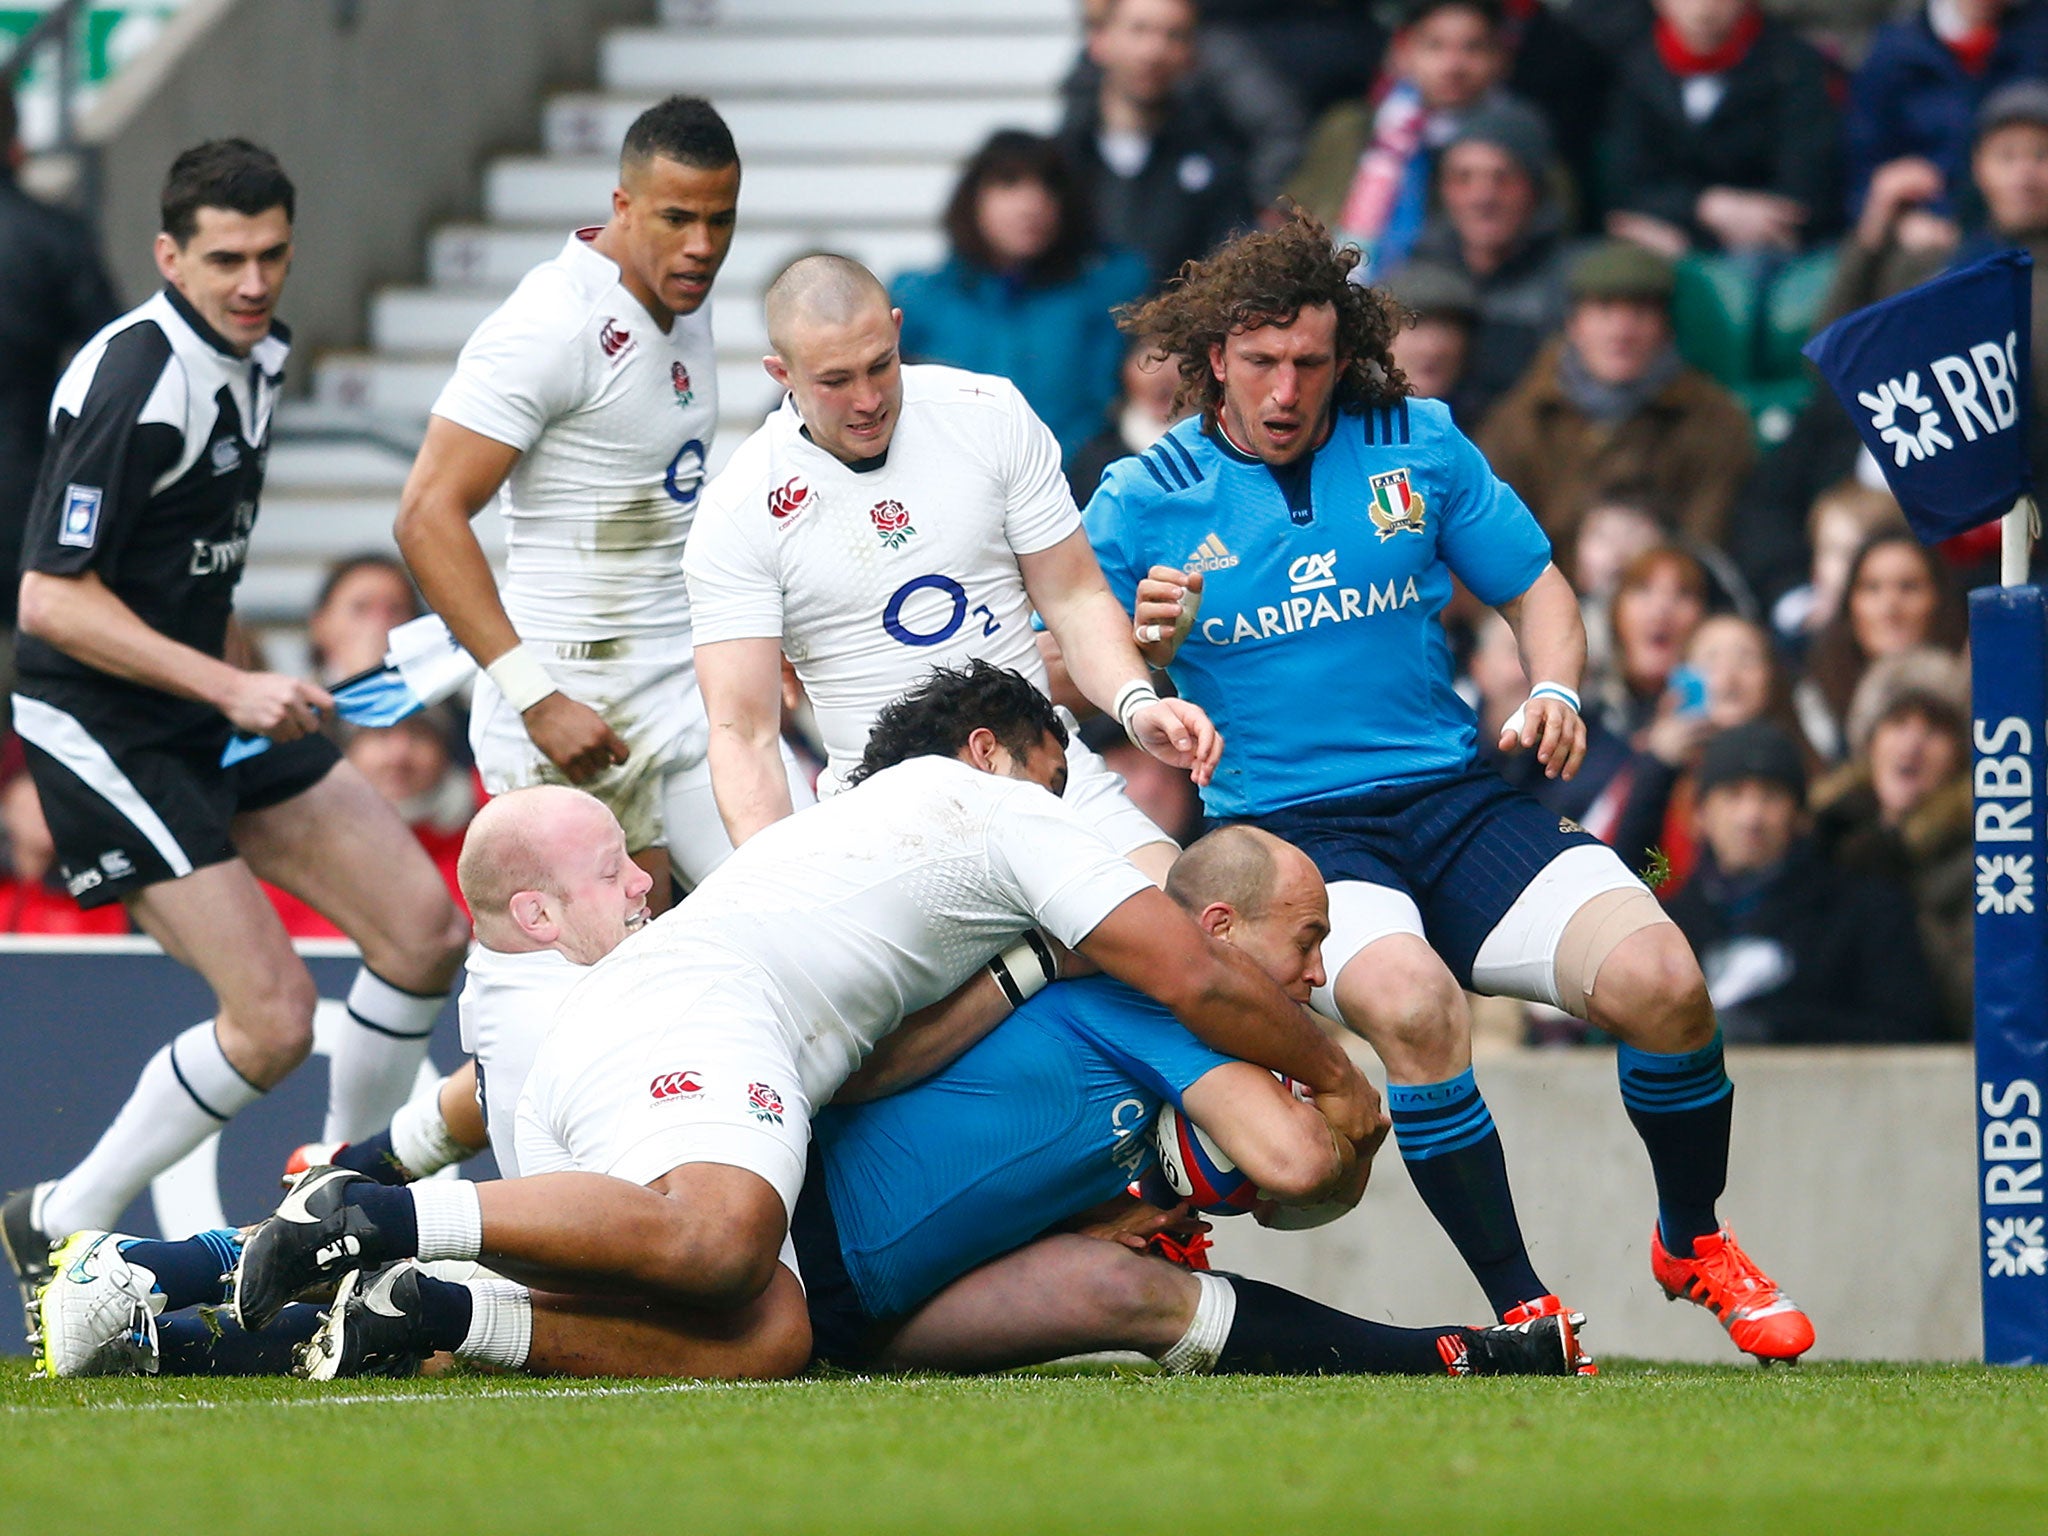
column 1191, row 1167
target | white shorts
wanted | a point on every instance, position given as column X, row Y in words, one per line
column 646, row 689
column 1095, row 792
column 1517, row 959
column 714, row 1080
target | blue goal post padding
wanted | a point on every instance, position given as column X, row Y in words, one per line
column 2009, row 706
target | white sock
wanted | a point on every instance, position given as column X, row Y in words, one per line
column 188, row 1091
column 1201, row 1346
column 421, row 1138
column 500, row 1324
column 450, row 1220
column 377, row 1059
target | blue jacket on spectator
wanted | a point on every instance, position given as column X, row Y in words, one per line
column 1913, row 97
column 1058, row 344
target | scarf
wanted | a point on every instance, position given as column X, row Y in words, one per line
column 1972, row 46
column 1608, row 403
column 1686, row 64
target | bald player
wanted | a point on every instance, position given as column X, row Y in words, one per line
column 585, row 405
column 887, row 519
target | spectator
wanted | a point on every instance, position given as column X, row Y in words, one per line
column 1609, row 409
column 1915, row 101
column 1658, row 603
column 1843, row 516
column 1499, row 225
column 1611, row 534
column 1434, row 350
column 362, row 599
column 1558, row 65
column 1160, row 167
column 1026, row 292
column 1900, row 809
column 1795, row 952
column 411, row 765
column 1370, row 162
column 1262, row 106
column 31, row 901
column 1138, row 417
column 1325, row 50
column 1898, row 594
column 53, row 295
column 1724, row 135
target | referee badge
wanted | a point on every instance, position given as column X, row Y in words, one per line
column 1395, row 508
column 79, row 527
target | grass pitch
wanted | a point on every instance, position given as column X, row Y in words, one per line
column 1663, row 1448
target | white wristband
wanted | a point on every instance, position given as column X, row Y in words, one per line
column 1557, row 691
column 1132, row 697
column 521, row 678
column 1024, row 969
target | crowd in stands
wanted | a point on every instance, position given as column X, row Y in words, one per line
column 1614, row 223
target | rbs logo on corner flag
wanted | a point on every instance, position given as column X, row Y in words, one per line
column 1936, row 380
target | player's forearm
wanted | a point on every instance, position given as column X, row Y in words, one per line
column 442, row 552
column 81, row 617
column 747, row 778
column 1234, row 1007
column 928, row 1041
column 1549, row 629
column 1094, row 635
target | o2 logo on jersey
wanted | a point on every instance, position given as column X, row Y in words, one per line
column 790, row 498
column 685, row 475
column 954, row 597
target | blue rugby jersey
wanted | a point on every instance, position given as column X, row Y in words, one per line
column 1046, row 1117
column 1318, row 651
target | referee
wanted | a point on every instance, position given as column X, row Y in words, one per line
column 136, row 536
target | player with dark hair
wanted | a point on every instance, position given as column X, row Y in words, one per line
column 663, row 1129
column 586, row 404
column 936, row 717
column 1288, row 550
column 137, row 537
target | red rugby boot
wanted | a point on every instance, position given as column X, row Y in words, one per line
column 1761, row 1319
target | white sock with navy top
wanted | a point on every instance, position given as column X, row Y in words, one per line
column 188, row 1091
column 376, row 1060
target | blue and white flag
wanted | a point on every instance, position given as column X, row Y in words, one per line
column 424, row 665
column 1936, row 380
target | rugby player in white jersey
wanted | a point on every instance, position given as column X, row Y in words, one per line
column 663, row 1128
column 887, row 519
column 586, row 404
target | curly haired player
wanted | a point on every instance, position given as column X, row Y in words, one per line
column 1288, row 549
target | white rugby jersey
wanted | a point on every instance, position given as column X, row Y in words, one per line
column 613, row 420
column 862, row 909
column 871, row 576
column 505, row 1007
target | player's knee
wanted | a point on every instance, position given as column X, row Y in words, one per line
column 1650, row 992
column 715, row 1253
column 268, row 1032
column 783, row 1347
column 1400, row 996
column 424, row 943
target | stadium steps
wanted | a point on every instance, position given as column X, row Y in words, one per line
column 852, row 121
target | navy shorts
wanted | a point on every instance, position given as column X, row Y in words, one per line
column 1464, row 848
column 843, row 1332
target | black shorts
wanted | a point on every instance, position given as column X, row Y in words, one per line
column 843, row 1332
column 126, row 814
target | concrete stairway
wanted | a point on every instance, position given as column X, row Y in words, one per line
column 851, row 119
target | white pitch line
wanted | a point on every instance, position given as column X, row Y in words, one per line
column 355, row 1398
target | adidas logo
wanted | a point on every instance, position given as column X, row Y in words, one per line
column 1211, row 555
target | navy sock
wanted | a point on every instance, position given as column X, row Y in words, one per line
column 374, row 1158
column 445, row 1310
column 390, row 1207
column 1454, row 1155
column 207, row 1341
column 1277, row 1333
column 1681, row 1105
column 191, row 1272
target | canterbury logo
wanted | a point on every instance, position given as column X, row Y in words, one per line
column 1211, row 555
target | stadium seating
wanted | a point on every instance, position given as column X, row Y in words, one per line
column 1748, row 335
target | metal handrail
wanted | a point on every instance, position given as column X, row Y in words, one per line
column 59, row 24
